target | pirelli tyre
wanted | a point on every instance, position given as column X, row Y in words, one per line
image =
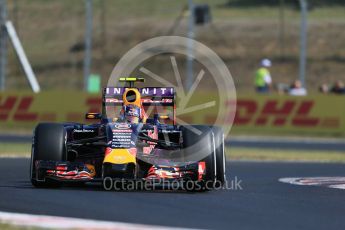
column 199, row 145
column 49, row 143
column 220, row 155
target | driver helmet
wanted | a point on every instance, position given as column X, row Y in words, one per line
column 131, row 114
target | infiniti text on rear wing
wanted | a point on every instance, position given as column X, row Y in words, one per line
column 162, row 96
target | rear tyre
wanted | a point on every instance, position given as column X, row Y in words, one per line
column 49, row 143
column 220, row 155
column 200, row 146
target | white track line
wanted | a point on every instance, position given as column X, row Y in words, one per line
column 329, row 182
column 54, row 222
column 338, row 186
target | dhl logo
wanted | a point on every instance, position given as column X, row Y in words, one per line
column 18, row 108
column 279, row 113
column 275, row 113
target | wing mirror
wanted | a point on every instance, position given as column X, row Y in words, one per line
column 157, row 118
column 93, row 116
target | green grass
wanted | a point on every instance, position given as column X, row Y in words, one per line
column 169, row 9
column 284, row 155
column 11, row 150
column 164, row 9
column 256, row 154
column 269, row 13
column 12, row 227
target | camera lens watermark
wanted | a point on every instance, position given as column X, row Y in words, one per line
column 212, row 68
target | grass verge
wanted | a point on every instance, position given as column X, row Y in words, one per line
column 284, row 155
column 255, row 154
column 15, row 150
column 13, row 227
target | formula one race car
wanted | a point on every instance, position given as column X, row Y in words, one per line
column 136, row 139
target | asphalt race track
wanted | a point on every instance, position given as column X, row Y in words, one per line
column 264, row 203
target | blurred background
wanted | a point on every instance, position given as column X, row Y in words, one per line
column 241, row 32
column 67, row 42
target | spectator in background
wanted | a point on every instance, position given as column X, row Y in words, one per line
column 338, row 88
column 297, row 89
column 324, row 89
column 263, row 80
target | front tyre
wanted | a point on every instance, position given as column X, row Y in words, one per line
column 201, row 147
column 220, row 155
column 49, row 143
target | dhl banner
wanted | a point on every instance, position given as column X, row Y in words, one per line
column 312, row 115
column 25, row 110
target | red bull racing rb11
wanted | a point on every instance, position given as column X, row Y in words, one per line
column 136, row 138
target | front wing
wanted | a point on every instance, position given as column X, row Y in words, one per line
column 81, row 172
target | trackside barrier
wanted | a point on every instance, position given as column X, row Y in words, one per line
column 312, row 115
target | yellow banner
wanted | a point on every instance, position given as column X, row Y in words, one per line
column 312, row 115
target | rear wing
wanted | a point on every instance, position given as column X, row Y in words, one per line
column 159, row 96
